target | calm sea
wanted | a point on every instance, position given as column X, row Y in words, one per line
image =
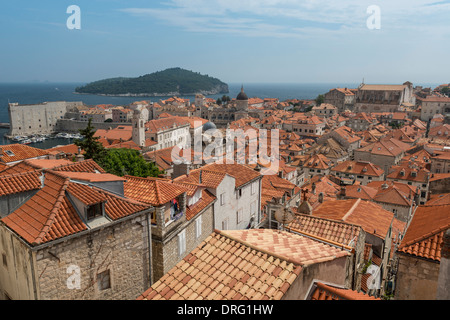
column 42, row 92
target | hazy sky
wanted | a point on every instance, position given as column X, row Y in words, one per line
column 237, row 41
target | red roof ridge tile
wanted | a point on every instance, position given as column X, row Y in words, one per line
column 53, row 213
column 349, row 212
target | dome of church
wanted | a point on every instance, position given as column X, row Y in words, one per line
column 242, row 95
column 209, row 126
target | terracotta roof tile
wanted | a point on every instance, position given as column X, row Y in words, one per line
column 323, row 291
column 22, row 182
column 257, row 264
column 424, row 235
column 336, row 231
column 155, row 192
column 206, row 200
column 370, row 216
column 18, row 152
column 359, row 168
column 48, row 215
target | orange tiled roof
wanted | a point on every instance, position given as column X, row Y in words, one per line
column 211, row 179
column 206, row 199
column 155, row 192
column 121, row 133
column 49, row 214
column 241, row 173
column 91, row 177
column 333, row 230
column 17, row 183
column 301, row 250
column 370, row 216
column 409, row 173
column 362, row 192
column 85, row 194
column 162, row 124
column 424, row 236
column 70, row 149
column 323, row 291
column 359, row 168
column 317, row 161
column 17, row 152
column 83, row 166
column 395, row 196
column 439, row 199
column 57, row 165
column 254, row 264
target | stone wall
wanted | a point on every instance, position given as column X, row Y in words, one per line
column 417, row 278
column 121, row 248
column 165, row 250
column 37, row 118
column 336, row 271
column 440, row 186
column 16, row 268
column 73, row 126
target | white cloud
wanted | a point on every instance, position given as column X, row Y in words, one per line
column 294, row 18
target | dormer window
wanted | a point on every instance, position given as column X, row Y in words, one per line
column 95, row 210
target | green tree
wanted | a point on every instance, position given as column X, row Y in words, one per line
column 122, row 162
column 93, row 149
column 445, row 90
column 320, row 99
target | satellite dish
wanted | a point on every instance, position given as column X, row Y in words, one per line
column 284, row 216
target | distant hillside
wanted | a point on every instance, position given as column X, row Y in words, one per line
column 175, row 81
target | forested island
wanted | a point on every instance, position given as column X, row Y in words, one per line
column 174, row 81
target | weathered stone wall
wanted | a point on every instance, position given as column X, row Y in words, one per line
column 38, row 118
column 335, row 271
column 121, row 248
column 165, row 251
column 16, row 277
column 73, row 126
column 416, row 278
column 440, row 186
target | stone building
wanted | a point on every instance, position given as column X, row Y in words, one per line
column 342, row 98
column 340, row 233
column 325, row 110
column 420, row 253
column 97, row 115
column 37, row 118
column 183, row 217
column 383, row 98
column 71, row 239
column 238, row 192
column 384, row 153
column 414, row 175
column 433, row 105
column 121, row 114
column 361, row 122
column 440, row 163
column 364, row 172
column 167, row 132
column 380, row 228
column 222, row 115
